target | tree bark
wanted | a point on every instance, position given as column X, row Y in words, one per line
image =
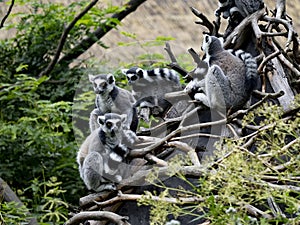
column 9, row 196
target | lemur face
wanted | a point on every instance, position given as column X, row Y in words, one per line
column 102, row 83
column 211, row 44
column 206, row 42
column 111, row 123
column 133, row 74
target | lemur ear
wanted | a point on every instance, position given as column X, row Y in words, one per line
column 123, row 118
column 101, row 120
column 110, row 78
column 124, row 71
column 91, row 77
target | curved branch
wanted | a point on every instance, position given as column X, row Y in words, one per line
column 7, row 14
column 250, row 20
column 86, row 43
column 63, row 38
column 99, row 215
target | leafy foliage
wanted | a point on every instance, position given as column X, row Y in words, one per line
column 49, row 206
column 266, row 177
column 37, row 36
column 13, row 213
column 36, row 139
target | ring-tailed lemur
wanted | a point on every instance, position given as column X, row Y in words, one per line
column 135, row 74
column 111, row 98
column 230, row 79
column 150, row 86
column 243, row 7
column 102, row 152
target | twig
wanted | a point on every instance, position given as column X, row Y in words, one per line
column 188, row 149
column 7, row 13
column 287, row 25
column 141, row 152
column 139, row 177
column 103, row 29
column 257, row 212
column 201, row 68
column 277, row 212
column 174, row 64
column 135, row 197
column 267, row 59
column 151, row 158
column 286, row 62
column 280, row 8
column 245, row 111
column 63, row 38
column 98, row 215
column 204, row 21
column 282, row 187
column 196, row 135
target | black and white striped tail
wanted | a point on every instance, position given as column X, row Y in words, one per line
column 164, row 73
column 251, row 69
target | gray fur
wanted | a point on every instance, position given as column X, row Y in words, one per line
column 99, row 162
column 111, row 99
column 230, row 78
column 150, row 86
column 243, row 7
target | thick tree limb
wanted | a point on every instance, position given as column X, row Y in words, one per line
column 7, row 14
column 63, row 38
column 174, row 64
column 238, row 31
column 8, row 195
column 86, row 43
column 99, row 215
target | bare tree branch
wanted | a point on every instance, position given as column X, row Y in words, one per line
column 174, row 64
column 144, row 151
column 7, row 14
column 86, row 43
column 135, row 197
column 212, row 27
column 99, row 215
column 63, row 38
column 238, row 31
column 245, row 111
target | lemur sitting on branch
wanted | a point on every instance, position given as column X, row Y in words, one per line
column 101, row 155
column 112, row 99
column 230, row 79
column 149, row 88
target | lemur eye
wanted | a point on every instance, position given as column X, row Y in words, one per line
column 133, row 78
column 118, row 124
column 206, row 38
column 108, row 124
column 103, row 85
